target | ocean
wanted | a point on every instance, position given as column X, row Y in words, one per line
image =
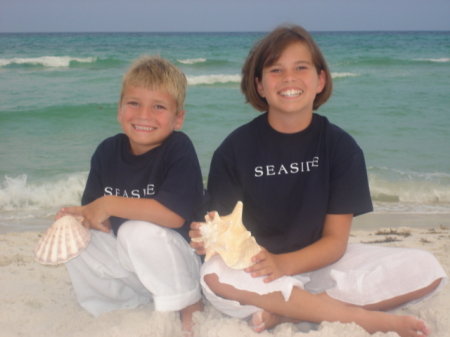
column 59, row 93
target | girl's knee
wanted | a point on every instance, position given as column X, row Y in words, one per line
column 433, row 286
column 224, row 290
column 213, row 283
column 220, row 289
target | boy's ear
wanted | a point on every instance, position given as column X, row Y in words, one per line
column 179, row 119
column 119, row 115
column 259, row 87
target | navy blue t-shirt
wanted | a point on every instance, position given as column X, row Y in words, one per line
column 289, row 182
column 169, row 173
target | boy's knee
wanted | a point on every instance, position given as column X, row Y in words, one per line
column 140, row 231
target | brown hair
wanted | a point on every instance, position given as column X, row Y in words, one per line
column 268, row 50
column 156, row 73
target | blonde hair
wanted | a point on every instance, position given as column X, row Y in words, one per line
column 267, row 51
column 156, row 73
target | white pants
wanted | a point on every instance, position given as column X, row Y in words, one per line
column 145, row 262
column 366, row 274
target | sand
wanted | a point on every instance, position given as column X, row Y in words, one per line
column 38, row 300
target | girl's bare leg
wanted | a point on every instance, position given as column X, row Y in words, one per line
column 265, row 320
column 313, row 308
column 392, row 303
column 398, row 301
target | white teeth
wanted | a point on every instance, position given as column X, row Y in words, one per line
column 291, row 93
column 144, row 128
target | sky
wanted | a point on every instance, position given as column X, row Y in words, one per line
column 221, row 15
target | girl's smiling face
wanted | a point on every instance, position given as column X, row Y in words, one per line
column 291, row 83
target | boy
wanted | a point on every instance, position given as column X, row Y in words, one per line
column 145, row 185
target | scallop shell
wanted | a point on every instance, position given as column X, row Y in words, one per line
column 228, row 237
column 64, row 240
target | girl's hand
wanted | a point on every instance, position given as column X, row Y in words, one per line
column 266, row 264
column 195, row 233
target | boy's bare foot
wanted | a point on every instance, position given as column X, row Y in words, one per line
column 263, row 320
column 186, row 318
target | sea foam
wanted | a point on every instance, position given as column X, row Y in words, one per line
column 440, row 60
column 340, row 75
column 192, row 61
column 410, row 191
column 47, row 61
column 213, row 79
column 17, row 194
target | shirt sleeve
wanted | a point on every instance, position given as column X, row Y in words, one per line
column 349, row 186
column 223, row 182
column 182, row 189
column 93, row 189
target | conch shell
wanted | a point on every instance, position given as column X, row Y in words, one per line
column 228, row 237
column 64, row 240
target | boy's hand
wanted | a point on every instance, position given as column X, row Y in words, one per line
column 61, row 213
column 266, row 264
column 195, row 233
column 95, row 214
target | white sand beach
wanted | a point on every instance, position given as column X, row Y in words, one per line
column 38, row 300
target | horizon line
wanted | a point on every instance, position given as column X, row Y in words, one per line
column 218, row 32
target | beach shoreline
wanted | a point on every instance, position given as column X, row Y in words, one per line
column 375, row 220
column 369, row 221
column 38, row 300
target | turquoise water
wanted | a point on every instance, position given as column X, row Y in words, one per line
column 59, row 97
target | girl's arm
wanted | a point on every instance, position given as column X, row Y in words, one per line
column 327, row 250
column 101, row 209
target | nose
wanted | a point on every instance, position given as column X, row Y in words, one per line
column 146, row 112
column 288, row 76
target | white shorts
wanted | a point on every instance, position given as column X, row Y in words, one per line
column 145, row 262
column 366, row 274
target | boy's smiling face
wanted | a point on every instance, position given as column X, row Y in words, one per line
column 148, row 117
column 290, row 85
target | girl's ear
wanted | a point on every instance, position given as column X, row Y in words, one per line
column 322, row 80
column 259, row 87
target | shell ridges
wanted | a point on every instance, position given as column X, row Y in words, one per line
column 65, row 239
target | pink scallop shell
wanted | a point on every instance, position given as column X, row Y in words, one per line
column 64, row 240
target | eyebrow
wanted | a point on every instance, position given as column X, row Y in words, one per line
column 156, row 100
column 296, row 62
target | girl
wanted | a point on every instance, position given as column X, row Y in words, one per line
column 301, row 180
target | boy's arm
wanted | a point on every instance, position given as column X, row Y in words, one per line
column 100, row 210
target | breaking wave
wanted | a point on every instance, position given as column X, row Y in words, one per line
column 213, row 79
column 410, row 191
column 192, row 61
column 16, row 193
column 47, row 61
column 341, row 75
column 441, row 60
